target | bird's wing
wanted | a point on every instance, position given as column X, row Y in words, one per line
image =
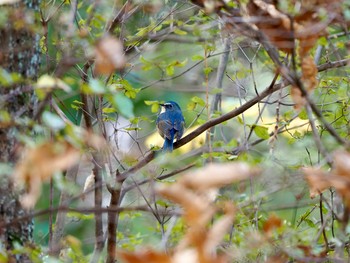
column 164, row 128
column 179, row 125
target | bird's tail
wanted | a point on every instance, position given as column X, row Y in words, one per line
column 168, row 143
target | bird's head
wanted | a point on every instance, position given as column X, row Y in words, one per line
column 171, row 106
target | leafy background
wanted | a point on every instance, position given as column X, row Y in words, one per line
column 105, row 68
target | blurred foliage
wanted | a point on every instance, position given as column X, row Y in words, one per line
column 172, row 51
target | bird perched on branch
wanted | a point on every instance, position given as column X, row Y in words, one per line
column 170, row 124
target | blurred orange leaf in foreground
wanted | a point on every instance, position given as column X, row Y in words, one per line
column 338, row 177
column 38, row 166
column 109, row 55
column 195, row 191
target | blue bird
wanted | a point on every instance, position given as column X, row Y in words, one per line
column 170, row 124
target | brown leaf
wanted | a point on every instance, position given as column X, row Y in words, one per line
column 341, row 165
column 275, row 24
column 309, row 80
column 317, row 180
column 271, row 223
column 144, row 256
column 193, row 193
column 109, row 56
column 197, row 207
column 38, row 166
column 297, row 97
column 217, row 175
column 210, row 5
column 219, row 228
column 309, row 73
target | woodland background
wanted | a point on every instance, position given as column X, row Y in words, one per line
column 261, row 175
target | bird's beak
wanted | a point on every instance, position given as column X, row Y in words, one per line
column 162, row 109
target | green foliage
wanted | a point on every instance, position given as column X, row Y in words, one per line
column 261, row 132
column 173, row 51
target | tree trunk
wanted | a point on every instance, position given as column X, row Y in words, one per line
column 19, row 53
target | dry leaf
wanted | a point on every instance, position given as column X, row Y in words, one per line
column 89, row 183
column 220, row 227
column 38, row 166
column 341, row 166
column 271, row 223
column 48, row 82
column 317, row 180
column 193, row 193
column 109, row 56
column 297, row 97
column 217, row 175
column 309, row 73
column 144, row 256
column 338, row 178
column 210, row 6
column 197, row 207
column 309, row 80
column 275, row 24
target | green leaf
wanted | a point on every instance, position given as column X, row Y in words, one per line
column 181, row 64
column 5, row 116
column 76, row 105
column 53, row 121
column 241, row 74
column 240, row 120
column 197, row 57
column 191, row 106
column 78, row 102
column 80, row 216
column 201, row 121
column 303, row 115
column 147, row 65
column 215, row 91
column 154, row 104
column 261, row 132
column 207, row 70
column 198, row 100
column 123, row 105
column 155, row 108
column 162, row 203
column 144, row 61
column 151, row 102
column 96, row 86
column 108, row 110
column 180, row 32
column 169, row 70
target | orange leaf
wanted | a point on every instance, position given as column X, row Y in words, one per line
column 297, row 97
column 109, row 55
column 317, row 180
column 39, row 164
column 217, row 175
column 144, row 256
column 271, row 223
column 341, row 164
column 275, row 24
column 309, row 73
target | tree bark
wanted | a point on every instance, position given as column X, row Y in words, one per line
column 19, row 54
